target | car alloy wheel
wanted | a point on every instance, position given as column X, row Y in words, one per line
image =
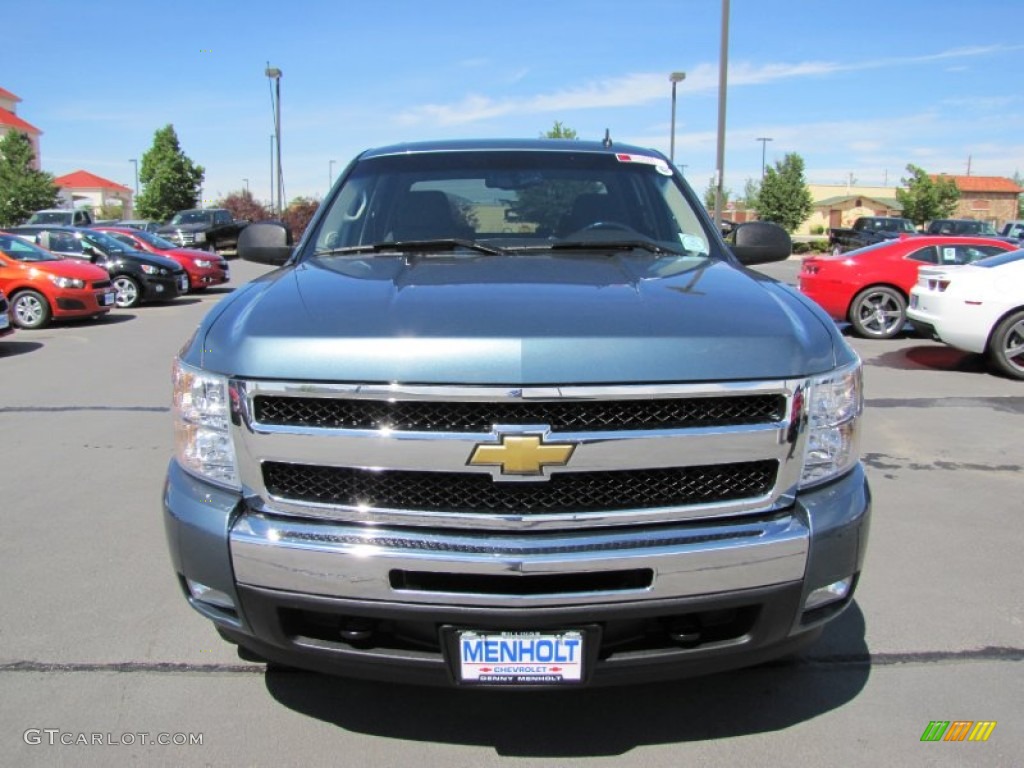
column 1006, row 347
column 878, row 312
column 30, row 310
column 128, row 293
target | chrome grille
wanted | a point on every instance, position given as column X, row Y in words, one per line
column 576, row 416
column 400, row 455
column 572, row 492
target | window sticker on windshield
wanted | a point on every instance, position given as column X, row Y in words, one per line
column 659, row 165
column 949, row 255
column 693, row 243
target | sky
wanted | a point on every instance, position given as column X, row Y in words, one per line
column 858, row 90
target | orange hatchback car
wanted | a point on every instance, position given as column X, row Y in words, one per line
column 42, row 286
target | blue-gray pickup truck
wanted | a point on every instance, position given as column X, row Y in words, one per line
column 512, row 413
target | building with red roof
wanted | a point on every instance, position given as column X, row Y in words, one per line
column 9, row 121
column 88, row 189
column 986, row 198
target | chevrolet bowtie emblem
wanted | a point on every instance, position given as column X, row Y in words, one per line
column 521, row 455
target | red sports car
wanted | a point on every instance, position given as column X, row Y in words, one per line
column 869, row 287
column 41, row 286
column 204, row 268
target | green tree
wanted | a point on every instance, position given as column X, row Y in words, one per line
column 751, row 191
column 172, row 182
column 784, row 197
column 924, row 198
column 559, row 131
column 23, row 189
column 709, row 195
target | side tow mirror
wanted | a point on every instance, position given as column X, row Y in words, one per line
column 265, row 242
column 759, row 242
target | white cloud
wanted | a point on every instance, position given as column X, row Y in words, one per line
column 645, row 87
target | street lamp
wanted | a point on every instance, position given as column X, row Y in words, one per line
column 764, row 143
column 271, row 173
column 674, row 77
column 273, row 73
column 246, row 185
column 135, row 162
column 330, row 173
column 723, row 84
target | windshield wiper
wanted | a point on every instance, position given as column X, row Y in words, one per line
column 415, row 246
column 613, row 245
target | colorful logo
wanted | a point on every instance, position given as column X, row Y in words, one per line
column 958, row 730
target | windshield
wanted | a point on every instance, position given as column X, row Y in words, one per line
column 891, row 225
column 104, row 242
column 21, row 250
column 512, row 200
column 153, row 240
column 192, row 217
column 50, row 217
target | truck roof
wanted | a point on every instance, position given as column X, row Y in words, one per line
column 468, row 145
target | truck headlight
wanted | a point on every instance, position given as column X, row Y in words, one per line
column 200, row 237
column 66, row 282
column 834, row 405
column 202, row 419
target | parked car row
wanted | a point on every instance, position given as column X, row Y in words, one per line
column 55, row 272
column 967, row 292
column 210, row 229
column 869, row 230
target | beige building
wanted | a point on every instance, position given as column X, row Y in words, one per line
column 839, row 205
column 87, row 190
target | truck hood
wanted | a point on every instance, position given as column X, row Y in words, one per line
column 531, row 320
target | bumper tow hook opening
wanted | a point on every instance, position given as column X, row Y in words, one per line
column 356, row 631
column 685, row 632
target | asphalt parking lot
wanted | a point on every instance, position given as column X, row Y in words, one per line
column 97, row 644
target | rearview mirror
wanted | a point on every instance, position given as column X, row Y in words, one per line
column 759, row 242
column 265, row 242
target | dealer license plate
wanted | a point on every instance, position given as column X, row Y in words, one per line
column 521, row 658
column 107, row 299
column 183, row 283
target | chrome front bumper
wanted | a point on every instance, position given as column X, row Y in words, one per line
column 344, row 561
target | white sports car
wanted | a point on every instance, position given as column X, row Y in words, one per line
column 977, row 307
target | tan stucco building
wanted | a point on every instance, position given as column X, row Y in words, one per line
column 85, row 189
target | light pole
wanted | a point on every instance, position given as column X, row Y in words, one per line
column 275, row 74
column 723, row 84
column 246, row 186
column 330, row 174
column 674, row 77
column 271, row 173
column 764, row 143
column 135, row 162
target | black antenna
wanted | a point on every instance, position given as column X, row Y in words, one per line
column 607, row 138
